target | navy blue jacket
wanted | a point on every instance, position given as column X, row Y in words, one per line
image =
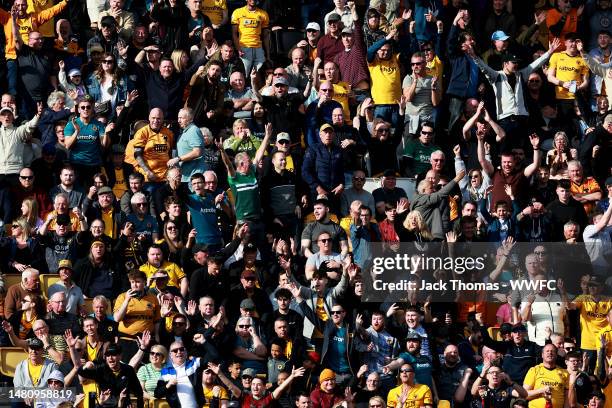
column 459, row 83
column 323, row 167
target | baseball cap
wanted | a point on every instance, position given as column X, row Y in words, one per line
column 64, row 264
column 609, row 181
column 74, row 72
column 113, row 350
column 597, row 280
column 283, row 136
column 517, row 328
column 347, row 30
column 108, row 20
column 326, row 126
column 105, row 190
column 505, row 328
column 499, row 36
column 7, row 109
column 35, row 343
column 333, row 17
column 248, row 372
column 389, row 173
column 313, row 26
column 598, row 394
column 247, row 304
column 280, row 80
column 510, row 57
column 250, row 247
column 62, row 219
column 247, row 273
column 413, row 336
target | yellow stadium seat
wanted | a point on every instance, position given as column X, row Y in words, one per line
column 10, row 279
column 444, row 404
column 494, row 333
column 9, row 358
column 47, row 280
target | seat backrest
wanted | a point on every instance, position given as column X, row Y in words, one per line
column 47, row 280
column 9, row 358
column 10, row 279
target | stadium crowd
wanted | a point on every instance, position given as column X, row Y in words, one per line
column 182, row 200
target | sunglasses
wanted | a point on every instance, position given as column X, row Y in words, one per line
column 56, row 382
column 249, row 279
column 325, row 240
column 26, row 177
column 359, row 178
column 406, row 370
column 178, row 350
column 383, row 130
column 156, row 354
column 15, row 226
column 325, row 89
column 85, row 107
column 416, row 63
column 244, row 326
column 426, row 133
column 311, row 31
column 279, row 86
column 178, row 323
column 278, row 74
column 108, row 62
column 140, row 204
column 171, row 228
column 337, row 312
column 282, row 141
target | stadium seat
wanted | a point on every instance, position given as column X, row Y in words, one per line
column 47, row 280
column 9, row 358
column 10, row 279
column 494, row 333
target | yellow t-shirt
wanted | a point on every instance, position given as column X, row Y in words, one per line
column 592, row 320
column 214, row 10
column 92, row 352
column 208, row 395
column 156, row 150
column 321, row 314
column 34, row 371
column 386, row 80
column 589, row 185
column 435, row 68
column 567, row 68
column 250, row 25
column 540, row 376
column 107, row 217
column 120, row 186
column 341, row 95
column 418, row 396
column 141, row 314
column 35, row 6
column 175, row 273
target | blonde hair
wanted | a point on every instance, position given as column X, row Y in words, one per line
column 421, row 228
column 32, row 216
column 176, row 59
column 26, row 230
column 158, row 348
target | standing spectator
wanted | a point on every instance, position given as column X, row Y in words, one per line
column 384, row 66
column 86, row 138
column 547, row 382
column 251, row 35
column 189, row 147
column 422, row 93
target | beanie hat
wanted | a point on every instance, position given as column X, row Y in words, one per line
column 326, row 374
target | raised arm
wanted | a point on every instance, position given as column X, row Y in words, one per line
column 482, row 159
column 537, row 155
column 231, row 171
column 264, row 144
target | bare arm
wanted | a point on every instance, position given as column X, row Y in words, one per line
column 484, row 163
column 264, row 144
column 537, row 156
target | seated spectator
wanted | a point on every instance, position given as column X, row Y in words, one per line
column 35, row 370
column 74, row 295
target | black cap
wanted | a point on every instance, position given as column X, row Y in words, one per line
column 250, row 247
column 609, row 181
column 389, row 173
column 517, row 328
column 510, row 57
column 113, row 350
column 597, row 280
column 35, row 343
column 199, row 248
column 108, row 20
column 333, row 17
column 62, row 219
column 505, row 328
column 413, row 336
column 598, row 394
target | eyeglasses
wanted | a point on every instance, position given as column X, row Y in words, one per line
column 423, row 132
column 15, row 226
column 278, row 74
column 26, row 177
column 156, row 354
column 244, row 326
column 279, row 86
column 325, row 240
column 337, row 312
column 359, row 178
column 85, row 107
column 383, row 130
column 416, row 63
column 56, row 382
column 178, row 323
column 534, row 81
column 406, row 370
column 283, row 141
column 171, row 228
column 325, row 89
column 311, row 31
column 178, row 350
